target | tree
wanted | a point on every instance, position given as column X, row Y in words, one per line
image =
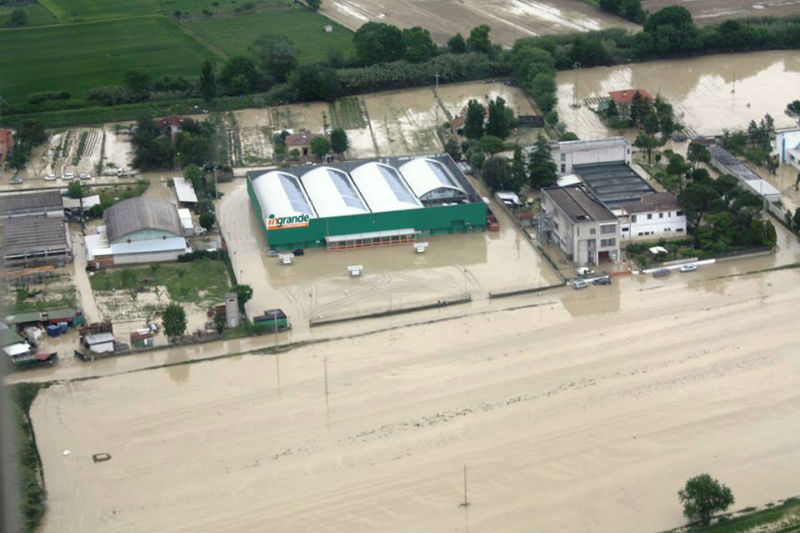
column 207, row 221
column 703, row 496
column 478, row 40
column 314, row 4
column 239, row 75
column 195, row 175
column 174, row 320
column 19, row 17
column 698, row 199
column 498, row 119
column 698, row 153
column 651, row 126
column 496, row 173
column 456, row 44
column 639, row 108
column 138, row 84
column 452, row 148
column 219, row 322
column 313, row 82
column 519, row 173
column 32, row 132
column 646, row 143
column 473, row 124
column 276, row 55
column 541, row 167
column 419, row 45
column 793, row 109
column 320, row 146
column 243, row 294
column 376, row 42
column 491, row 144
column 208, row 82
column 797, row 218
column 339, row 141
column 74, row 190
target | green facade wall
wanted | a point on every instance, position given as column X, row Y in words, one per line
column 427, row 220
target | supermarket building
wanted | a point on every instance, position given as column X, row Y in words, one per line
column 364, row 203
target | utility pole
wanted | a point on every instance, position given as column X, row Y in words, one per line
column 327, row 405
column 576, row 67
column 465, row 503
column 436, row 97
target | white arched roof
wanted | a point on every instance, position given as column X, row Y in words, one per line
column 426, row 175
column 332, row 193
column 383, row 188
column 282, row 195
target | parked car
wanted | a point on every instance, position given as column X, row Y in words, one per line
column 579, row 284
column 68, row 176
column 85, row 176
column 585, row 271
column 273, row 253
column 605, row 280
column 688, row 268
column 661, row 273
column 15, row 180
column 298, row 251
column 50, row 177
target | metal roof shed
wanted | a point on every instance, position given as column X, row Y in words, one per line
column 184, row 191
column 333, row 193
column 431, row 180
column 141, row 213
column 383, row 188
column 281, row 195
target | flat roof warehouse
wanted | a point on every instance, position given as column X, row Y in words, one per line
column 375, row 197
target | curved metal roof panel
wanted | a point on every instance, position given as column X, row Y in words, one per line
column 427, row 175
column 383, row 188
column 333, row 193
column 281, row 194
column 141, row 213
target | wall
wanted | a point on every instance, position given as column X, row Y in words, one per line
column 146, row 235
column 571, row 153
column 785, row 141
column 577, row 241
column 428, row 220
column 671, row 225
column 127, row 259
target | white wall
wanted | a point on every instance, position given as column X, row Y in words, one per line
column 127, row 259
column 785, row 141
column 570, row 153
column 668, row 225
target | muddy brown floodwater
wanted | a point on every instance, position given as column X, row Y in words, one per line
column 709, row 94
column 509, row 19
column 582, row 414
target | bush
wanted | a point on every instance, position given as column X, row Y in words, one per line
column 36, row 98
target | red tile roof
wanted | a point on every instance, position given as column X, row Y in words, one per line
column 626, row 96
column 6, row 136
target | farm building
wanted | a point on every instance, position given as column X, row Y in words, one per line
column 47, row 203
column 300, row 142
column 184, row 192
column 137, row 230
column 364, row 203
column 727, row 163
column 35, row 240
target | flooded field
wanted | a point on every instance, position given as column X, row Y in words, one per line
column 509, row 19
column 709, row 93
column 317, row 284
column 560, row 431
column 404, row 122
column 716, row 11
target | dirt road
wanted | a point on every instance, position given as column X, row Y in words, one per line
column 582, row 414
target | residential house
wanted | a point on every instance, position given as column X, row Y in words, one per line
column 623, row 99
column 654, row 216
column 300, row 142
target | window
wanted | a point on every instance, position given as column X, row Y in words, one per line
column 563, row 167
column 605, row 243
column 608, row 228
column 624, row 229
column 592, row 231
column 661, row 215
column 679, row 230
column 649, row 216
column 563, row 157
column 633, row 218
column 679, row 213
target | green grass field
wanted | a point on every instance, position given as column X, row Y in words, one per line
column 76, row 57
column 233, row 35
column 77, row 10
column 37, row 15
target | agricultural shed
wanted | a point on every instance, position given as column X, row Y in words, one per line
column 31, row 240
column 46, row 203
column 749, row 180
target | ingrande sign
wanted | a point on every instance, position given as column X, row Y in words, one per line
column 295, row 221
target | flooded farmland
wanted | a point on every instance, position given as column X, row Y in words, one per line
column 709, row 94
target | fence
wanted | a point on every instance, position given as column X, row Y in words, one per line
column 422, row 306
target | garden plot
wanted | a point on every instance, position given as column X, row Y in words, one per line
column 75, row 151
column 118, row 150
column 309, row 116
column 404, row 122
